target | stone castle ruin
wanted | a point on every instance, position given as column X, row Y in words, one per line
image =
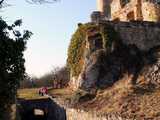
column 136, row 25
column 127, row 10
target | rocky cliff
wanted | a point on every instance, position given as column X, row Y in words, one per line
column 106, row 51
column 119, row 64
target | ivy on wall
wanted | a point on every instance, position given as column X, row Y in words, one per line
column 109, row 35
column 75, row 60
column 76, row 49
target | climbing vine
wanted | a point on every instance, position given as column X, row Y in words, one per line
column 109, row 36
column 76, row 48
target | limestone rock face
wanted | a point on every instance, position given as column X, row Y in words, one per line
column 150, row 74
column 103, row 70
column 136, row 53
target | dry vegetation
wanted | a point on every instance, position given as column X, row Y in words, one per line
column 126, row 100
column 63, row 93
column 122, row 98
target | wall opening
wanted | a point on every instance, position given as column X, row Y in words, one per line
column 130, row 16
column 39, row 112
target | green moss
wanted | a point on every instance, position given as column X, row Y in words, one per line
column 76, row 48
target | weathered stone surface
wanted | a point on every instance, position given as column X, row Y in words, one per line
column 52, row 111
column 150, row 11
column 151, row 71
column 104, row 70
column 142, row 35
column 145, row 35
column 128, row 10
column 74, row 114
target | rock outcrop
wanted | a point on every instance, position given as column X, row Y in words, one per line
column 115, row 48
column 120, row 66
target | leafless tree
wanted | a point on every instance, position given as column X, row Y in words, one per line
column 4, row 4
column 41, row 1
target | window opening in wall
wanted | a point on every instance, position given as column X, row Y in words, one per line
column 38, row 112
column 130, row 16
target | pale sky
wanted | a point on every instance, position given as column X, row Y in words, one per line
column 52, row 25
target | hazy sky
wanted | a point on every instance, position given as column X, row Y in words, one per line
column 52, row 25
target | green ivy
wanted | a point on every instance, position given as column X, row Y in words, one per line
column 109, row 35
column 76, row 48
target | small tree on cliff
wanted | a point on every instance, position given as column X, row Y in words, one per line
column 12, row 70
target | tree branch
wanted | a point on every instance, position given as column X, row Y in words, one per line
column 41, row 1
column 1, row 2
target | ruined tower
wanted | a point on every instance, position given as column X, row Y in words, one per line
column 103, row 6
column 127, row 10
column 138, row 10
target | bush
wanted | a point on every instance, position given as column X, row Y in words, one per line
column 11, row 61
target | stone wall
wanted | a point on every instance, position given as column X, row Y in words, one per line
column 52, row 111
column 79, row 114
column 115, row 6
column 144, row 35
column 150, row 12
column 123, row 10
column 74, row 114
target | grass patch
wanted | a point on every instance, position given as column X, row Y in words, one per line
column 29, row 94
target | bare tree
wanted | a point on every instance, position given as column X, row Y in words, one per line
column 4, row 4
column 41, row 1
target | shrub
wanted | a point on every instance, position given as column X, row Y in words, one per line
column 11, row 61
